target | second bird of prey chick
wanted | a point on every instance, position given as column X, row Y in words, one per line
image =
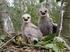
column 45, row 22
column 31, row 31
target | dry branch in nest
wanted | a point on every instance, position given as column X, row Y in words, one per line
column 19, row 47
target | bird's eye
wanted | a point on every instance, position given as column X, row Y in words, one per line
column 23, row 17
column 45, row 10
column 41, row 11
column 28, row 17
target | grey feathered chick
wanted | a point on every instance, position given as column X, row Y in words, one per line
column 45, row 22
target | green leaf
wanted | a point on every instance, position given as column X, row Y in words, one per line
column 53, row 47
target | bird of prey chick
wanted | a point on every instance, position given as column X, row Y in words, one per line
column 29, row 30
column 45, row 22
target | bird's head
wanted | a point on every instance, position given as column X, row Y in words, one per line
column 26, row 18
column 43, row 11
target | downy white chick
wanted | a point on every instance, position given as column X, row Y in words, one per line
column 29, row 30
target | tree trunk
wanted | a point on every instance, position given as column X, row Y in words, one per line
column 8, row 25
column 66, row 22
column 5, row 20
column 1, row 22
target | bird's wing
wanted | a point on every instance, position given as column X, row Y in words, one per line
column 34, row 26
column 33, row 31
column 39, row 34
column 51, row 20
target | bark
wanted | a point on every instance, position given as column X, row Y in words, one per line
column 5, row 20
column 1, row 25
column 66, row 22
column 8, row 25
column 1, row 22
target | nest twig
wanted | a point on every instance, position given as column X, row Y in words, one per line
column 25, row 44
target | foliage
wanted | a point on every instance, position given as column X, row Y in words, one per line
column 49, row 42
column 58, row 0
column 41, row 1
column 55, row 14
column 16, row 18
column 32, row 10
